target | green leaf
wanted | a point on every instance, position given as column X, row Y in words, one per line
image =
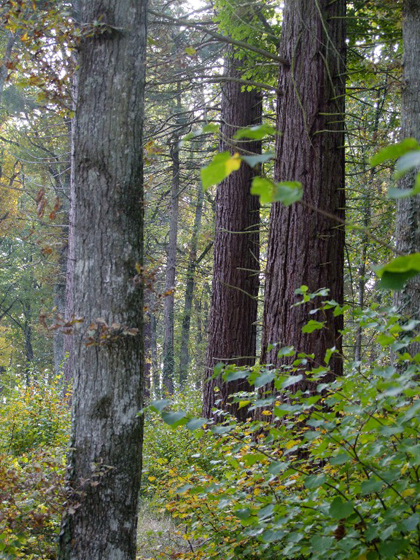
column 411, row 522
column 288, row 192
column 255, row 132
column 158, row 406
column 271, row 536
column 222, row 165
column 234, row 375
column 184, row 488
column 264, row 188
column 195, row 423
column 395, row 274
column 408, row 161
column 321, row 544
column 339, row 509
column 286, row 351
column 190, row 50
column 172, row 418
column 371, row 486
column 394, row 151
column 314, row 481
column 312, row 326
column 207, row 129
column 263, row 379
column 243, row 513
column 292, row 380
column 252, row 161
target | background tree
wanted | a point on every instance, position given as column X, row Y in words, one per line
column 234, row 305
column 408, row 209
column 105, row 464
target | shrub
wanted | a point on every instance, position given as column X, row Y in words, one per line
column 34, row 430
column 330, row 474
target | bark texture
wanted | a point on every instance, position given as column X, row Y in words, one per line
column 408, row 209
column 306, row 246
column 233, row 312
column 107, row 220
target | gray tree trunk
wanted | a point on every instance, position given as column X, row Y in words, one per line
column 105, row 462
column 171, row 251
column 408, row 209
column 306, row 247
column 233, row 312
column 184, row 358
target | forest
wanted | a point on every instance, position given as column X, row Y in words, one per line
column 209, row 279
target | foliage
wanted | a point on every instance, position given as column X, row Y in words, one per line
column 34, row 430
column 329, row 472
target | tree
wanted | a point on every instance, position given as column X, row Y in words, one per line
column 408, row 209
column 107, row 214
column 306, row 240
column 233, row 312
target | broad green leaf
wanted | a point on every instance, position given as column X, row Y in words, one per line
column 234, row 375
column 286, row 351
column 370, row 486
column 292, row 380
column 314, row 481
column 408, row 161
column 394, row 151
column 255, row 132
column 158, row 406
column 252, row 161
column 264, row 188
column 395, row 274
column 321, row 544
column 221, row 430
column 183, row 489
column 312, row 326
column 195, row 423
column 243, row 513
column 411, row 522
column 339, row 509
column 288, row 192
column 222, row 165
column 263, row 379
column 277, row 467
column 271, row 536
column 172, row 418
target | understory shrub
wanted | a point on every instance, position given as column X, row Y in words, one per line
column 34, row 431
column 331, row 473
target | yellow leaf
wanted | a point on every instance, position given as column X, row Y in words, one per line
column 408, row 492
column 152, row 478
column 233, row 163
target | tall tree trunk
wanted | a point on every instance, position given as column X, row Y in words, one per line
column 306, row 244
column 184, row 358
column 408, row 209
column 169, row 306
column 105, row 462
column 233, row 312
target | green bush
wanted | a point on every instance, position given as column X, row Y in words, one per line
column 34, row 431
column 329, row 474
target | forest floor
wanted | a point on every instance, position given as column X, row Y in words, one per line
column 158, row 537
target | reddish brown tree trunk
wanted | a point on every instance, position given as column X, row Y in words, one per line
column 306, row 246
column 232, row 330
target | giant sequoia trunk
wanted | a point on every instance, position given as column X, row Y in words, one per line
column 232, row 330
column 306, row 241
column 408, row 209
column 105, row 463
